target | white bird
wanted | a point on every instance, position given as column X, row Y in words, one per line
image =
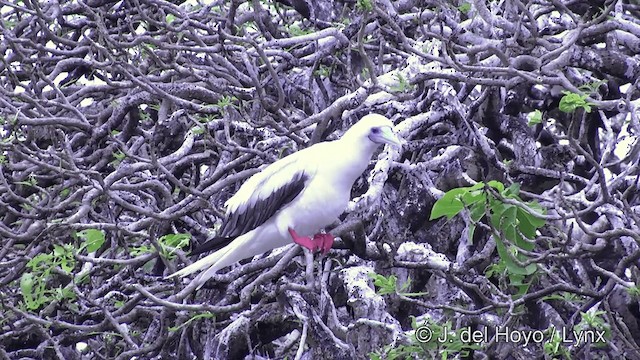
column 294, row 198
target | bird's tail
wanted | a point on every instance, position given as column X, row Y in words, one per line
column 250, row 244
column 210, row 260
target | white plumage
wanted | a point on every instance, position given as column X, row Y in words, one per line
column 304, row 191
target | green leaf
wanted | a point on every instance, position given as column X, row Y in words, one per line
column 171, row 242
column 62, row 294
column 63, row 256
column 512, row 191
column 535, row 117
column 67, row 265
column 510, row 232
column 295, row 30
column 514, row 269
column 364, row 5
column 93, row 239
column 465, row 7
column 26, row 287
column 477, row 211
column 175, row 240
column 562, row 296
column 449, row 204
column 496, row 185
column 526, row 223
column 497, row 209
column 205, row 315
column 118, row 157
column 571, row 101
column 474, row 196
column 518, row 282
column 31, row 182
column 141, row 250
column 64, row 193
column 402, row 86
column 634, row 292
column 495, row 269
column 472, row 231
column 40, row 262
column 538, row 222
column 523, row 243
column 509, row 219
column 225, row 101
column 385, row 285
column 511, row 266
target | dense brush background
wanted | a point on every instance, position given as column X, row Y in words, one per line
column 125, row 125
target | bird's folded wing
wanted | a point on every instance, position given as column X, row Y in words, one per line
column 262, row 196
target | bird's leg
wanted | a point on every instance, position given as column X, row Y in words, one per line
column 323, row 242
column 303, row 240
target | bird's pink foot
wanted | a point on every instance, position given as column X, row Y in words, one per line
column 321, row 242
column 303, row 241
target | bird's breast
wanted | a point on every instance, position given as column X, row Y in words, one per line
column 317, row 206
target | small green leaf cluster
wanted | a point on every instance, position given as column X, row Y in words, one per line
column 389, row 285
column 364, row 5
column 402, row 86
column 535, row 118
column 31, row 182
column 385, row 285
column 93, row 239
column 364, row 73
column 295, row 30
column 170, row 242
column 198, row 130
column 168, row 245
column 35, row 283
column 594, row 321
column 592, row 87
column 204, row 315
column 144, row 116
column 634, row 291
column 399, row 352
column 225, row 101
column 9, row 24
column 514, row 226
column 555, row 346
column 205, row 119
column 323, row 71
column 465, row 7
column 118, row 157
column 572, row 101
column 564, row 296
column 421, row 348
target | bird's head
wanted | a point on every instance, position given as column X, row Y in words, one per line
column 375, row 129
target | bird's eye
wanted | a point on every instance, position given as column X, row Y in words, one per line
column 375, row 130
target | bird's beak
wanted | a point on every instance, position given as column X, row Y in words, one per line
column 387, row 136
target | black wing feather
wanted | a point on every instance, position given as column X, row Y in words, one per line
column 241, row 222
column 211, row 244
